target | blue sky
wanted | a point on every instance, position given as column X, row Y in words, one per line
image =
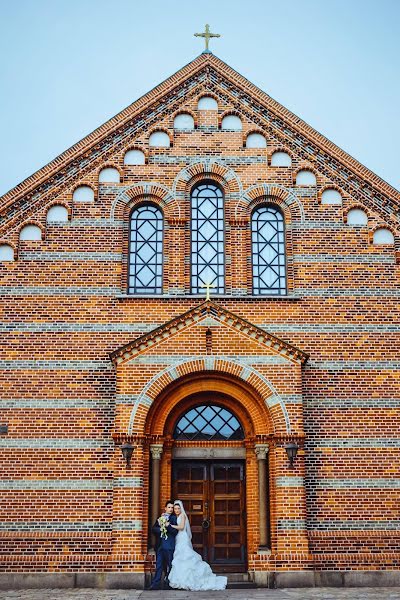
column 66, row 66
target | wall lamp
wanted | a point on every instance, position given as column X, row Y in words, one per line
column 127, row 451
column 291, row 451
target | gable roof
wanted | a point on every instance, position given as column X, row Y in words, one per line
column 215, row 314
column 351, row 175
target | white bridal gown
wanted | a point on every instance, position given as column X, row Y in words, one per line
column 189, row 571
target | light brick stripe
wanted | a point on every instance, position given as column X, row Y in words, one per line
column 133, row 399
column 72, row 256
column 58, row 291
column 291, row 524
column 78, row 327
column 286, row 398
column 351, row 258
column 360, row 292
column 288, row 481
column 355, row 482
column 57, row 365
column 321, row 443
column 344, row 365
column 57, row 443
column 56, row 403
column 51, row 326
column 96, row 223
column 116, row 292
column 330, row 328
column 55, row 526
column 345, row 403
column 135, row 525
column 354, row 525
column 70, row 484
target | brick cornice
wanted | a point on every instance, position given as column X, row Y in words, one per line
column 208, row 308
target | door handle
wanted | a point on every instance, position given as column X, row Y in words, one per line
column 206, row 523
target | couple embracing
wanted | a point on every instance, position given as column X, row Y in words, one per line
column 185, row 569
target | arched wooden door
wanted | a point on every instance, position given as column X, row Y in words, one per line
column 213, row 493
column 213, row 490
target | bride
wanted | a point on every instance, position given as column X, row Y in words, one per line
column 189, row 571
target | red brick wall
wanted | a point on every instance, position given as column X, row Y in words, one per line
column 63, row 480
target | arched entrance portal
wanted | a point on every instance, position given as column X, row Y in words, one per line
column 210, row 480
column 207, row 430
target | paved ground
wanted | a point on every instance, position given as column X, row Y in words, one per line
column 260, row 594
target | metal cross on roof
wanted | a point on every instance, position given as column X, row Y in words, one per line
column 207, row 35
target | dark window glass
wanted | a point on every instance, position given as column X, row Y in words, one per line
column 268, row 251
column 145, row 251
column 207, row 249
column 208, row 422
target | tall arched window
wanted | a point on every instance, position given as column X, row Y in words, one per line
column 145, row 250
column 207, row 244
column 268, row 251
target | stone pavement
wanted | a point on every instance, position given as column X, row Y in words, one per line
column 248, row 594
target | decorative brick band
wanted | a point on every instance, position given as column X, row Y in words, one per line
column 58, row 365
column 65, row 326
column 359, row 365
column 37, row 526
column 320, row 443
column 57, row 443
column 59, row 291
column 56, row 403
column 291, row 524
column 316, row 403
column 71, row 484
column 72, row 256
column 358, row 483
column 288, row 481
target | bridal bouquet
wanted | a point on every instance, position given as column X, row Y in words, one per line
column 164, row 521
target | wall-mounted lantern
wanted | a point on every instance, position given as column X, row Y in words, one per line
column 291, row 451
column 127, row 451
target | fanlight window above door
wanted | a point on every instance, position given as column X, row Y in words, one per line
column 208, row 422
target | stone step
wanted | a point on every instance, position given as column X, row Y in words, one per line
column 236, row 577
column 239, row 581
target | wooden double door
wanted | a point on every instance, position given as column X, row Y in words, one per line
column 213, row 493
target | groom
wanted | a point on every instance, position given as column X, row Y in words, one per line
column 165, row 544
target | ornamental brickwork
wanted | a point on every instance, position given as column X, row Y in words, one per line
column 86, row 367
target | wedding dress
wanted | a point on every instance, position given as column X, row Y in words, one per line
column 189, row 571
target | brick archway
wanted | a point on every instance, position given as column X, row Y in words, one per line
column 225, row 369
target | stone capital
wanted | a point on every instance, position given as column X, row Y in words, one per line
column 156, row 451
column 261, row 451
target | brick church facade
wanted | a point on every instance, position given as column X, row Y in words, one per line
column 204, row 186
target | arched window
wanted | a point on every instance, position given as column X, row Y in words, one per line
column 207, row 244
column 256, row 140
column 145, row 250
column 231, row 123
column 109, row 175
column 208, row 422
column 31, row 233
column 6, row 253
column 57, row 214
column 281, row 159
column 184, row 121
column 268, row 251
column 134, row 157
column 207, row 103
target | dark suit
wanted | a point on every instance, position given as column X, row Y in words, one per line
column 165, row 550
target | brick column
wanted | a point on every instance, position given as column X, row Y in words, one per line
column 155, row 451
column 261, row 451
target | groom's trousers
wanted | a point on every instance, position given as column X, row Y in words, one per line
column 163, row 563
